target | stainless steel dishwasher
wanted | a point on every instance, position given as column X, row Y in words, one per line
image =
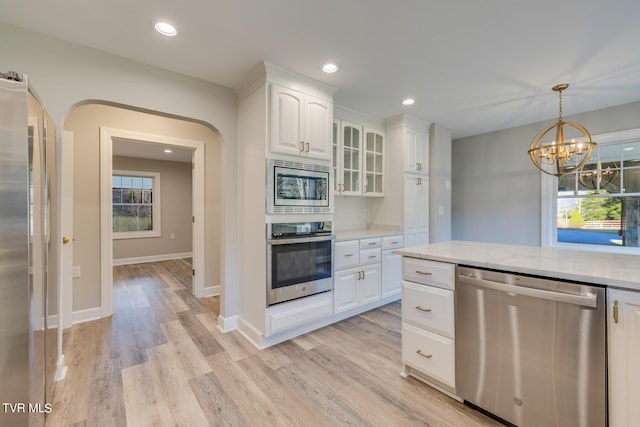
column 531, row 351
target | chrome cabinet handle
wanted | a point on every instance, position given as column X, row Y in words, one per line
column 426, row 310
column 373, row 256
column 307, row 147
column 424, row 273
column 301, row 146
column 346, row 255
column 426, row 356
column 372, row 243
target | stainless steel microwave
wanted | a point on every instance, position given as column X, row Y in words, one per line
column 294, row 187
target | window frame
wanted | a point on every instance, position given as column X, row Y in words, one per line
column 549, row 205
column 156, row 210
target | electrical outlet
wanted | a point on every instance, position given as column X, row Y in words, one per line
column 76, row 271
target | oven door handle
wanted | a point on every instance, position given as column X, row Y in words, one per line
column 300, row 240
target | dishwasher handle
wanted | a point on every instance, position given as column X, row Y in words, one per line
column 584, row 300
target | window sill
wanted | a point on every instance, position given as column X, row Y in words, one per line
column 136, row 235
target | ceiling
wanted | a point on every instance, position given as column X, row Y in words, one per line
column 150, row 150
column 472, row 66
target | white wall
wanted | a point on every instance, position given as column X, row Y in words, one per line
column 65, row 74
column 496, row 188
column 175, row 214
column 439, row 183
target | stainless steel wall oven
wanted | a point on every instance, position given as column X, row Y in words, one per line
column 299, row 260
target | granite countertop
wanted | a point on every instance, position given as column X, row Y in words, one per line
column 364, row 234
column 615, row 270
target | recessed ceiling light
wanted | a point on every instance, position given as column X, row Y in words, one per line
column 168, row 151
column 166, row 29
column 329, row 68
column 408, row 101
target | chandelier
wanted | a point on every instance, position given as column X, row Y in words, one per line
column 599, row 178
column 560, row 157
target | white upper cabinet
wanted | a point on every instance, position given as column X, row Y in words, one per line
column 373, row 160
column 416, row 152
column 358, row 160
column 318, row 115
column 300, row 124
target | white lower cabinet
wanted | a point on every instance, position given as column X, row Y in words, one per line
column 391, row 266
column 366, row 271
column 355, row 287
column 428, row 322
column 623, row 316
column 429, row 353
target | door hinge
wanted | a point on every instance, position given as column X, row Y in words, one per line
column 193, row 219
column 193, row 272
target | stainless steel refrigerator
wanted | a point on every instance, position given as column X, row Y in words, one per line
column 27, row 350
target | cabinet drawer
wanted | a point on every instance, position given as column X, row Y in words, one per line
column 297, row 313
column 440, row 274
column 429, row 353
column 346, row 254
column 370, row 243
column 370, row 256
column 428, row 307
column 392, row 242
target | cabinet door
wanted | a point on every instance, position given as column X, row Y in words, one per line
column 351, row 155
column 391, row 274
column 416, row 152
column 369, row 286
column 286, row 121
column 345, row 290
column 373, row 163
column 416, row 204
column 624, row 354
column 337, row 157
column 318, row 117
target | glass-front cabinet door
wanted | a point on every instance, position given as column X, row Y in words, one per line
column 351, row 153
column 374, row 163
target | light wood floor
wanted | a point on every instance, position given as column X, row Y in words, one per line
column 161, row 361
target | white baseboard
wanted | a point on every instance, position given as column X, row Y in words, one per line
column 250, row 333
column 61, row 369
column 212, row 291
column 152, row 258
column 227, row 324
column 86, row 315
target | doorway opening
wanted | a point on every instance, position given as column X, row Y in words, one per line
column 110, row 138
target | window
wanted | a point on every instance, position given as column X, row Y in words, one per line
column 599, row 206
column 136, row 204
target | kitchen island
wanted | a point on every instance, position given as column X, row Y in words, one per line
column 458, row 329
column 605, row 269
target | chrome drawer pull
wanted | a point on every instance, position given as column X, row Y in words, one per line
column 423, row 273
column 426, row 356
column 373, row 243
column 348, row 255
column 373, row 256
column 423, row 309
